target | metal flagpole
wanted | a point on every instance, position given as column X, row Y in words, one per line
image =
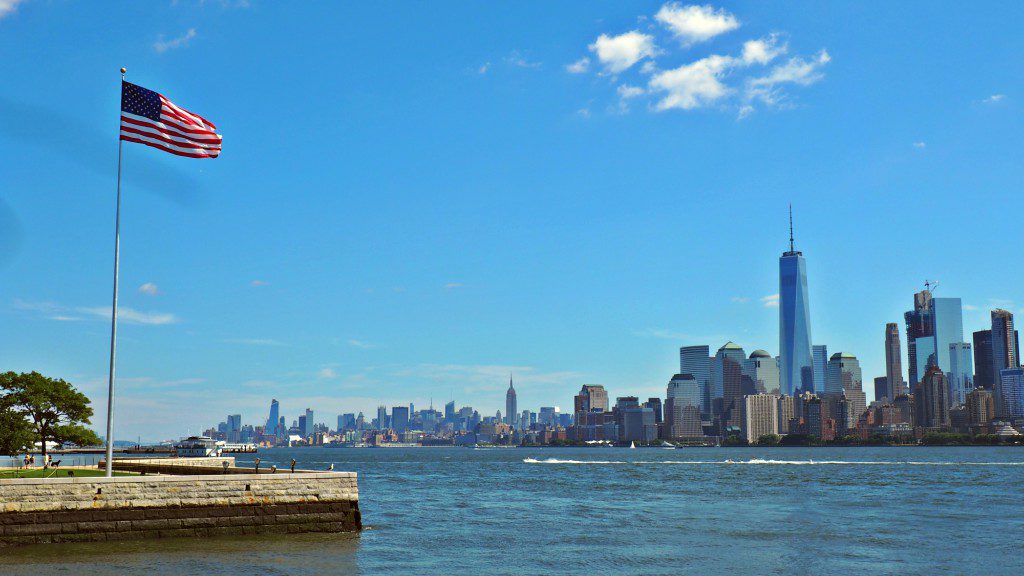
column 113, row 314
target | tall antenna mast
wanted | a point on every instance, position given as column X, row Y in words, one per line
column 791, row 249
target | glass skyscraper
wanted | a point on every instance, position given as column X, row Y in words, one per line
column 275, row 414
column 960, row 377
column 696, row 360
column 820, row 352
column 796, row 370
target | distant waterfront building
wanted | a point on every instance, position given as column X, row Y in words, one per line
column 919, row 325
column 682, row 419
column 924, row 348
column 882, row 388
column 819, row 353
column 591, row 398
column 305, row 424
column 727, row 376
column 1004, row 354
column 1012, row 385
column 696, row 361
column 947, row 316
column 685, row 389
column 271, row 428
column 981, row 407
column 759, row 416
column 785, row 410
column 816, row 420
column 763, row 371
column 795, row 361
column 931, row 400
column 655, row 404
column 983, row 377
column 961, row 372
column 845, row 384
column 382, row 417
column 449, row 411
column 638, row 424
column 895, row 384
column 510, row 404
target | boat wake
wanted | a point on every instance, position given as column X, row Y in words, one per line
column 759, row 461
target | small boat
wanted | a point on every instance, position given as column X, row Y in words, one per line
column 632, row 445
column 199, row 447
column 667, row 446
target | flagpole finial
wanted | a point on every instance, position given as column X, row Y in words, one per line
column 123, row 70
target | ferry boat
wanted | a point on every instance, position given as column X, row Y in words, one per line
column 199, row 447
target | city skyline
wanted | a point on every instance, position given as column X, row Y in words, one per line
column 492, row 203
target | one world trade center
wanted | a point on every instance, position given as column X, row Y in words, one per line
column 795, row 361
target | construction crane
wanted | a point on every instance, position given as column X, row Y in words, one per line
column 931, row 285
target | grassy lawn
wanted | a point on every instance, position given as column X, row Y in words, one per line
column 58, row 473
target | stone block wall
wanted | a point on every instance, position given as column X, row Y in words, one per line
column 36, row 510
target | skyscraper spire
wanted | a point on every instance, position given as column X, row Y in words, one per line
column 791, row 227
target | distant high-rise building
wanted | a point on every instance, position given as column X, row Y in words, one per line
column 638, row 424
column 893, row 363
column 308, row 429
column 591, row 398
column 685, row 389
column 948, row 319
column 760, row 416
column 983, row 377
column 763, row 371
column 727, row 376
column 932, row 326
column 510, row 404
column 786, row 413
column 844, row 382
column 795, row 361
column 234, row 422
column 400, row 418
column 882, row 389
column 1004, row 354
column 655, row 404
column 682, row 419
column 275, row 414
column 382, row 417
column 960, row 377
column 931, row 400
column 981, row 407
column 919, row 325
column 449, row 411
column 819, row 353
column 1011, row 382
column 696, row 361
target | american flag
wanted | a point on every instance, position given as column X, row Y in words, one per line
column 149, row 118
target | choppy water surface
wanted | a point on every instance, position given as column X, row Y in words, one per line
column 621, row 511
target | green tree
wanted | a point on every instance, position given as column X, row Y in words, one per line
column 15, row 432
column 56, row 411
column 769, row 440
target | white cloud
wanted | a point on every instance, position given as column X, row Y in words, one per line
column 326, row 373
column 770, row 301
column 583, row 112
column 692, row 85
column 919, row 144
column 258, row 283
column 149, row 289
column 762, row 50
column 182, row 41
column 970, row 307
column 453, row 285
column 360, row 344
column 994, row 99
column 692, row 24
column 627, row 93
column 484, row 67
column 518, row 60
column 7, row 7
column 578, row 67
column 795, row 71
column 131, row 315
column 619, row 53
column 740, row 299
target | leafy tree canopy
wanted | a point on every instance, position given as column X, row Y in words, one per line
column 56, row 411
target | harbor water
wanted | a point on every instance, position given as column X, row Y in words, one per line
column 957, row 510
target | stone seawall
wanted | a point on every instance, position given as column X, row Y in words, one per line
column 36, row 511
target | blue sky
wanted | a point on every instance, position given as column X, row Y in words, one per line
column 416, row 199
